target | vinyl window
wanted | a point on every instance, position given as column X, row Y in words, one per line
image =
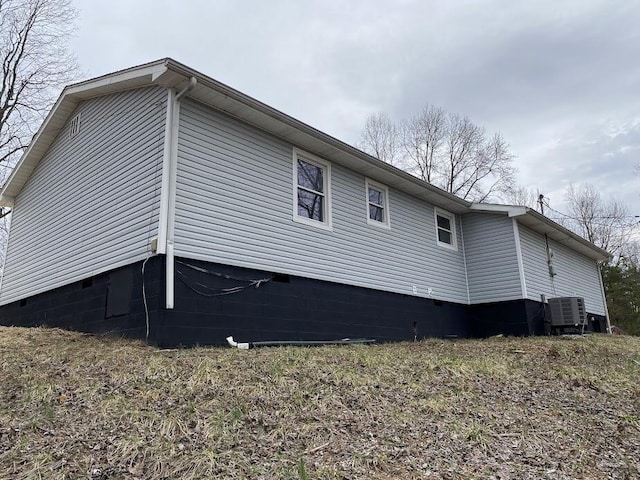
column 311, row 190
column 446, row 229
column 377, row 203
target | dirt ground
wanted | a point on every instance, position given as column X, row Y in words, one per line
column 77, row 406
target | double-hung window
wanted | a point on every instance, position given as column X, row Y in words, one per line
column 377, row 204
column 312, row 190
column 446, row 229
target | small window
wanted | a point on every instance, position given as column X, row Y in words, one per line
column 377, row 204
column 311, row 190
column 74, row 126
column 446, row 229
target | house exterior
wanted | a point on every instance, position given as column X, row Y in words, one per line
column 156, row 202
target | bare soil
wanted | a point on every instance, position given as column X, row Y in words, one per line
column 77, row 406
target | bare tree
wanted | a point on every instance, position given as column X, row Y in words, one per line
column 380, row 138
column 35, row 63
column 607, row 224
column 520, row 195
column 34, row 37
column 446, row 150
column 422, row 138
column 477, row 169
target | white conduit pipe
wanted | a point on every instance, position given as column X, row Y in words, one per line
column 241, row 346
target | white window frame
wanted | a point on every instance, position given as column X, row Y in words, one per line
column 386, row 223
column 452, row 219
column 326, row 167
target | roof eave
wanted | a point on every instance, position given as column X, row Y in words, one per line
column 261, row 115
column 66, row 103
column 542, row 224
column 170, row 73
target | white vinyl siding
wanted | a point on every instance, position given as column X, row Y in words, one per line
column 233, row 207
column 576, row 274
column 492, row 263
column 91, row 205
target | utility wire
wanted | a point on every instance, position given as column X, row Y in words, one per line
column 598, row 217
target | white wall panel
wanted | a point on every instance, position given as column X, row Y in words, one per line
column 92, row 203
column 234, row 206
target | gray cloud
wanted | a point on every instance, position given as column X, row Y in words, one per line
column 558, row 79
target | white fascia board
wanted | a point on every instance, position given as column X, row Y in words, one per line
column 510, row 210
column 114, row 82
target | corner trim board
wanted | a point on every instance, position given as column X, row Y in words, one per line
column 464, row 260
column 516, row 237
column 604, row 299
column 166, row 161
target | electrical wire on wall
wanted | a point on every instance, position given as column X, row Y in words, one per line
column 550, row 266
column 208, row 291
column 144, row 298
column 152, row 215
column 197, row 287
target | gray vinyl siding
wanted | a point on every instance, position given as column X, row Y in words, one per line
column 492, row 262
column 577, row 275
column 234, row 205
column 92, row 203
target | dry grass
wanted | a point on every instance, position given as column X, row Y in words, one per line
column 76, row 406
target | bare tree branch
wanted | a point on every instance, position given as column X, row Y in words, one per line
column 380, row 138
column 35, row 62
column 446, row 150
column 422, row 137
column 607, row 224
column 521, row 196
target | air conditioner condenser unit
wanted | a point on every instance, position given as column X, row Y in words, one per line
column 567, row 311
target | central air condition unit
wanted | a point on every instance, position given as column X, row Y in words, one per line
column 567, row 311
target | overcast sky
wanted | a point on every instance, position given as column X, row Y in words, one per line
column 559, row 79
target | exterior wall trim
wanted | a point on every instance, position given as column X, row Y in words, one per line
column 464, row 261
column 169, row 140
column 516, row 236
column 604, row 299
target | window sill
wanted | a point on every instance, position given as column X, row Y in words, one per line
column 374, row 223
column 313, row 223
column 447, row 246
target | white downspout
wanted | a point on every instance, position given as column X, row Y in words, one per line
column 170, row 202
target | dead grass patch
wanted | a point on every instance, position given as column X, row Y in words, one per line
column 77, row 406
